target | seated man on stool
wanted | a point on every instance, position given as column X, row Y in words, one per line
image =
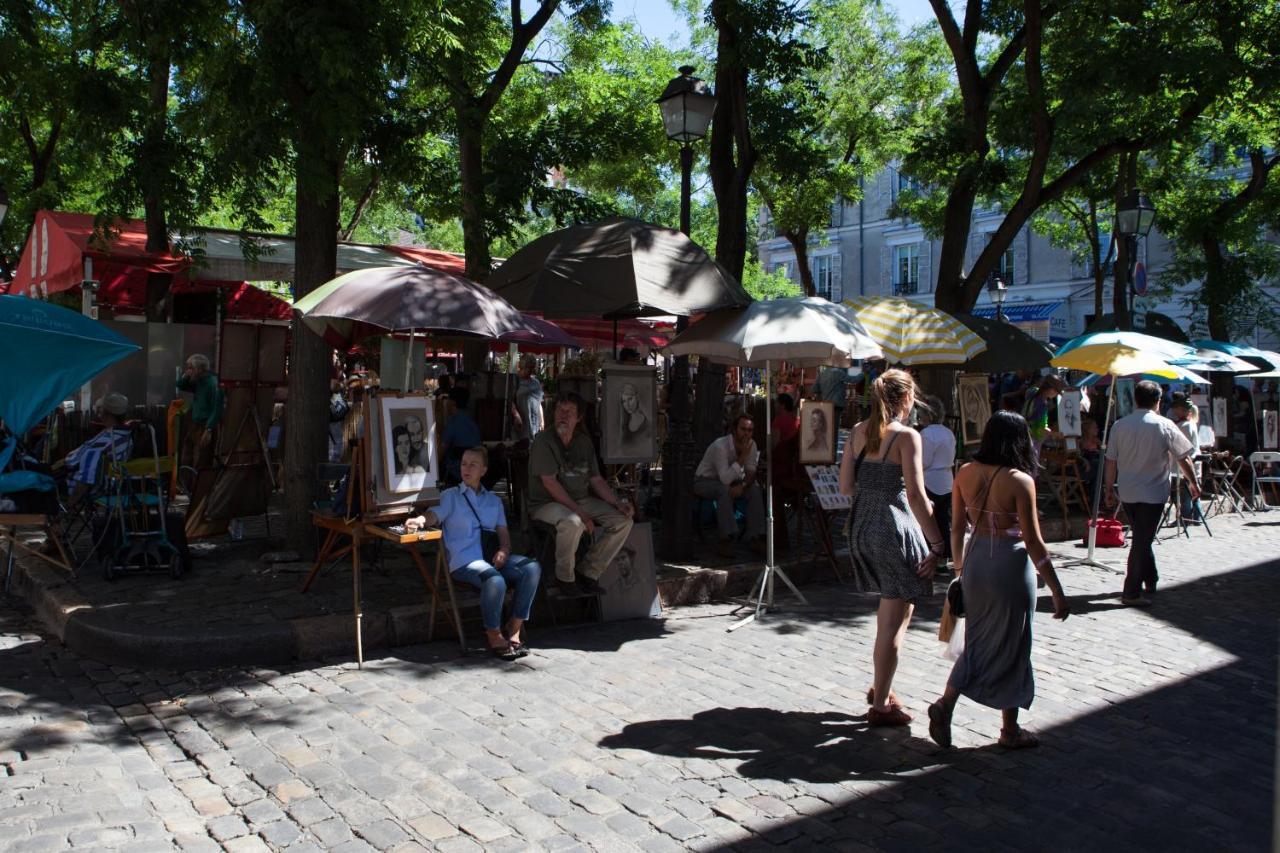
column 727, row 472
column 563, row 474
column 84, row 464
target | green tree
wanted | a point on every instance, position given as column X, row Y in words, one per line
column 292, row 86
column 1048, row 92
column 860, row 106
column 63, row 100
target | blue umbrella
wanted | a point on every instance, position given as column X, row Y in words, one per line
column 1166, row 350
column 46, row 352
column 1263, row 360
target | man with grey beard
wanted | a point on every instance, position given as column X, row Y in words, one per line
column 567, row 491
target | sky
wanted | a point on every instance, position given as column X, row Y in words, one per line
column 657, row 20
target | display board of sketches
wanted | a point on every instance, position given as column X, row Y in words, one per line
column 826, row 485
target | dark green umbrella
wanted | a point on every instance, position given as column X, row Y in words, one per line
column 1008, row 347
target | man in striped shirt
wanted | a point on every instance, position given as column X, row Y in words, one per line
column 84, row 464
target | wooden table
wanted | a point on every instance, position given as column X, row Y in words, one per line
column 357, row 531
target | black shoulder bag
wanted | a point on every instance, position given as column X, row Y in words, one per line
column 489, row 543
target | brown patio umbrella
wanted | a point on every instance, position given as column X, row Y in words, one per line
column 412, row 298
column 614, row 268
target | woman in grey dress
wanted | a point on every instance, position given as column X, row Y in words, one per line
column 996, row 495
column 894, row 542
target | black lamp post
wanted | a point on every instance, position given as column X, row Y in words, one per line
column 687, row 105
column 1134, row 217
column 998, row 293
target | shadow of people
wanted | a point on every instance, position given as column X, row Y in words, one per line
column 811, row 746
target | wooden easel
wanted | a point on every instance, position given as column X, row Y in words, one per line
column 370, row 521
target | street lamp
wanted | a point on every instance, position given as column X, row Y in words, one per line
column 1134, row 218
column 998, row 293
column 687, row 105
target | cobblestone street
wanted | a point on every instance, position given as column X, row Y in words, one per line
column 1158, row 730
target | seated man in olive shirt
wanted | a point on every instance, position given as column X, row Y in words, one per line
column 563, row 474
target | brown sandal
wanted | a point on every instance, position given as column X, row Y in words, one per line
column 895, row 716
column 1022, row 739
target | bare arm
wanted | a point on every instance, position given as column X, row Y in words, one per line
column 1109, row 481
column 1029, row 521
column 913, row 475
column 959, row 520
column 1189, row 474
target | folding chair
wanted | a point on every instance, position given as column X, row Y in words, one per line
column 1224, row 479
column 1259, row 462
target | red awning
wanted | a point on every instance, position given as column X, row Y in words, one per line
column 444, row 261
column 53, row 259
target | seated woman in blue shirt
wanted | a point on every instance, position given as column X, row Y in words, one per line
column 462, row 512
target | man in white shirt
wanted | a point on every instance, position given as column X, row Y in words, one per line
column 727, row 472
column 1138, row 468
column 938, row 456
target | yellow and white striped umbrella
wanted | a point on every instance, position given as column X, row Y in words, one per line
column 915, row 334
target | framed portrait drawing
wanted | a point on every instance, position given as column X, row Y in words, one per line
column 1069, row 412
column 1124, row 398
column 1270, row 429
column 628, row 420
column 817, row 432
column 975, row 406
column 1220, row 416
column 631, row 579
column 407, row 427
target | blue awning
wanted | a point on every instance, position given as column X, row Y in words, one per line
column 1020, row 312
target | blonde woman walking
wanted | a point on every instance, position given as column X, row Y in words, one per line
column 894, row 542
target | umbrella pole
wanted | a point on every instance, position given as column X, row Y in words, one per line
column 408, row 362
column 1092, row 532
column 770, row 569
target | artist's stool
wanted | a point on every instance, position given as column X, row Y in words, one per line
column 10, row 526
column 543, row 541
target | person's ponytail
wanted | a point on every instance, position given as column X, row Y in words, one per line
column 887, row 393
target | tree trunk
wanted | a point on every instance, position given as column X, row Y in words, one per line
column 155, row 173
column 957, row 222
column 310, row 361
column 732, row 154
column 800, row 245
column 475, row 234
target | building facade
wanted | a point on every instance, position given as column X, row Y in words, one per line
column 866, row 251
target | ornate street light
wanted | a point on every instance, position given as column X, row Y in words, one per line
column 687, row 105
column 998, row 293
column 1134, row 218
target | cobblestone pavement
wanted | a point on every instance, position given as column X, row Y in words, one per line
column 1158, row 731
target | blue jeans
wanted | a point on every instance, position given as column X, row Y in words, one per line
column 520, row 573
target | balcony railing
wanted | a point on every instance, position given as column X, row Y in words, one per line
column 906, row 288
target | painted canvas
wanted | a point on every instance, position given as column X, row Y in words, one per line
column 629, row 423
column 975, row 406
column 817, row 432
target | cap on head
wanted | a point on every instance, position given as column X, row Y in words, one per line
column 115, row 403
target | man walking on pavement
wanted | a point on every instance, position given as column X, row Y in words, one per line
column 1138, row 467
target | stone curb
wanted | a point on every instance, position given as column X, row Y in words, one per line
column 102, row 636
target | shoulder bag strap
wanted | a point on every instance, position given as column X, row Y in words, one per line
column 467, row 498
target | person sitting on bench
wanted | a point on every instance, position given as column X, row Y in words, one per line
column 83, row 466
column 728, row 472
column 464, row 514
column 563, row 472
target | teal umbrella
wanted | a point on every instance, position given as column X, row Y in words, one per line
column 46, row 352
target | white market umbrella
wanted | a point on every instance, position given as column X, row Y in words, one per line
column 806, row 331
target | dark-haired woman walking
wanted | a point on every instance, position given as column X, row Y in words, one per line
column 996, row 495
